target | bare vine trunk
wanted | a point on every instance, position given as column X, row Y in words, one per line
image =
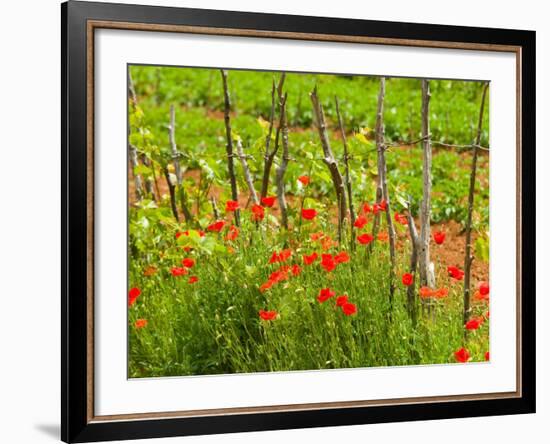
column 347, row 175
column 383, row 181
column 177, row 167
column 132, row 150
column 330, row 160
column 172, row 189
column 281, row 170
column 247, row 173
column 148, row 182
column 138, row 184
column 427, row 277
column 468, row 259
column 269, row 156
column 214, row 208
column 229, row 145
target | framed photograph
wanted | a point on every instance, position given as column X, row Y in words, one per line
column 275, row 221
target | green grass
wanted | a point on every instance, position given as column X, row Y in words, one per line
column 212, row 326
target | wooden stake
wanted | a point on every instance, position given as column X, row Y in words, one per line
column 468, row 259
column 427, row 277
column 229, row 145
column 347, row 175
column 382, row 187
column 380, row 148
column 281, row 170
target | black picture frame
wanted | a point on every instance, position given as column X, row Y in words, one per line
column 76, row 423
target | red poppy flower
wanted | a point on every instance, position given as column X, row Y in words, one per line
column 304, row 180
column 296, row 270
column 231, row 205
column 360, row 222
column 178, row 271
column 278, row 276
column 349, row 309
column 441, row 293
column 439, row 237
column 268, row 201
column 383, row 236
column 327, row 243
column 140, row 323
column 462, row 355
column 317, row 236
column 407, row 279
column 366, row 208
column 341, row 257
column 486, row 356
column 383, row 205
column 258, row 212
column 425, row 292
column 401, row 219
column 325, row 294
column 179, row 233
column 133, row 294
column 455, row 272
column 474, row 323
column 484, row 288
column 150, row 270
column 328, row 262
column 365, row 239
column 193, row 279
column 233, row 233
column 266, row 286
column 216, row 226
column 283, row 256
column 309, row 213
column 341, row 300
column 480, row 297
column 267, row 315
column 188, row 262
column 308, row 260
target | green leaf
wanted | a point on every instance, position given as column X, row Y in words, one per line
column 143, row 170
column 482, row 248
column 361, row 138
